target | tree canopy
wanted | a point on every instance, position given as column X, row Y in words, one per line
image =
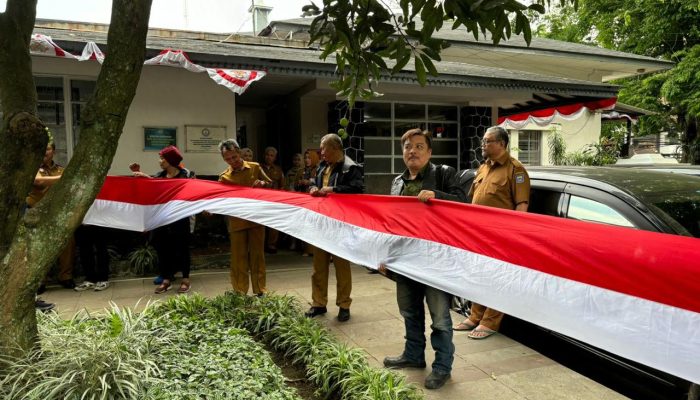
column 361, row 34
column 667, row 29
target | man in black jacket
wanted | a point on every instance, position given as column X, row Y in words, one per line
column 426, row 181
column 337, row 173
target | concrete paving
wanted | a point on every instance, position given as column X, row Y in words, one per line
column 495, row 368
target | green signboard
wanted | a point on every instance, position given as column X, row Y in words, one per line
column 157, row 138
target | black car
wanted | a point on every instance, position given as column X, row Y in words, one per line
column 630, row 197
column 686, row 169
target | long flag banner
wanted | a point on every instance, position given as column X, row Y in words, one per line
column 631, row 292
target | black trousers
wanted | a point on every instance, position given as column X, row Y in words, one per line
column 92, row 246
column 172, row 243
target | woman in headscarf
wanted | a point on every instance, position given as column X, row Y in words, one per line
column 172, row 241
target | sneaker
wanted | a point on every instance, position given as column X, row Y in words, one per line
column 158, row 280
column 87, row 285
column 41, row 305
column 100, row 286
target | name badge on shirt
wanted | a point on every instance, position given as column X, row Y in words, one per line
column 520, row 178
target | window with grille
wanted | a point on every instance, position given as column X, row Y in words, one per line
column 385, row 122
column 529, row 147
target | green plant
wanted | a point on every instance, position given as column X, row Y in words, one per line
column 210, row 359
column 143, row 259
column 604, row 152
column 88, row 358
column 557, row 148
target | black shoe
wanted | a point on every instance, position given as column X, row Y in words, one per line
column 436, row 380
column 41, row 305
column 42, row 289
column 402, row 362
column 343, row 314
column 314, row 311
column 68, row 284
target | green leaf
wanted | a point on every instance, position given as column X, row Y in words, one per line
column 429, row 65
column 401, row 63
column 420, row 71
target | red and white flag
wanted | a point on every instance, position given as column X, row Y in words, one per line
column 631, row 292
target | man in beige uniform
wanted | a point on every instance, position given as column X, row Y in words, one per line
column 49, row 173
column 247, row 238
column 500, row 182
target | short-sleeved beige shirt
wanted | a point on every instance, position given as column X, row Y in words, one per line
column 501, row 183
column 37, row 192
column 246, row 176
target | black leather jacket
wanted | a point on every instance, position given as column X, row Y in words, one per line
column 441, row 179
column 345, row 178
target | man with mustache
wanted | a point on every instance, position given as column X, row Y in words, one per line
column 426, row 181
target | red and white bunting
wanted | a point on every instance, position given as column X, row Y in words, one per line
column 631, row 292
column 43, row 45
column 546, row 116
column 174, row 58
column 92, row 52
column 235, row 80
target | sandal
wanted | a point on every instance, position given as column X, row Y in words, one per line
column 163, row 287
column 479, row 334
column 184, row 286
column 465, row 325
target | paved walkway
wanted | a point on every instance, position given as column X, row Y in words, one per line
column 496, row 368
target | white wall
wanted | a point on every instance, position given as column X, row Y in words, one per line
column 174, row 97
column 166, row 96
column 314, row 121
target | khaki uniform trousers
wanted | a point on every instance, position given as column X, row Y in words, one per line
column 319, row 279
column 65, row 261
column 247, row 254
column 487, row 317
column 271, row 238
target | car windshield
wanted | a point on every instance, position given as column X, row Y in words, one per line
column 683, row 206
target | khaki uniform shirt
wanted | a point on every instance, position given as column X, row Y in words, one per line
column 247, row 176
column 501, row 183
column 276, row 175
column 38, row 192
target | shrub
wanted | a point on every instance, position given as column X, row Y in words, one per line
column 334, row 367
column 88, row 358
column 190, row 347
column 143, row 259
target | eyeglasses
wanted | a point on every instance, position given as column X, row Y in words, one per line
column 485, row 142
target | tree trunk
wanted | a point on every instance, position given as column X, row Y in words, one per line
column 36, row 239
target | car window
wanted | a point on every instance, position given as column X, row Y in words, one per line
column 544, row 201
column 590, row 210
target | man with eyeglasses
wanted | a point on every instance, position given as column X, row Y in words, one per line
column 425, row 181
column 500, row 182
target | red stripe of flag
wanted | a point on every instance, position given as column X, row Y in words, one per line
column 654, row 266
